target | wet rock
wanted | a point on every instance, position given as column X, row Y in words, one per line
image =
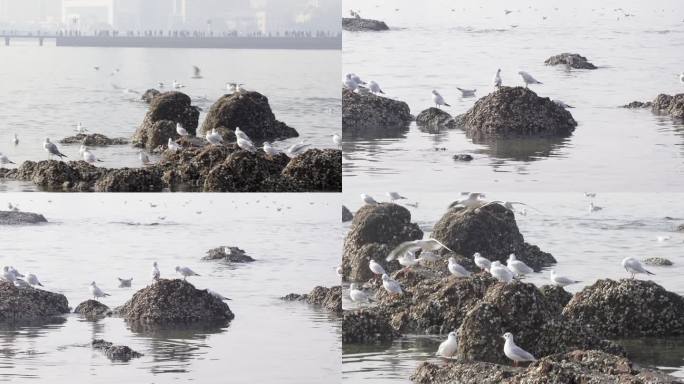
column 346, row 214
column 520, row 308
column 578, row 366
column 93, row 310
column 669, row 105
column 115, row 352
column 556, row 296
column 638, row 104
column 243, row 171
column 355, row 24
column 435, row 118
column 375, row 231
column 516, row 112
column 328, row 298
column 368, row 115
column 131, row 180
column 366, row 326
column 150, row 94
column 628, row 308
column 490, row 230
column 94, row 140
column 250, row 111
column 229, row 254
column 160, row 121
column 316, row 170
column 58, row 175
column 174, row 302
column 463, row 157
column 658, row 261
column 26, row 305
column 573, row 60
column 20, row 218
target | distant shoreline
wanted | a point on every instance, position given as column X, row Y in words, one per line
column 231, row 42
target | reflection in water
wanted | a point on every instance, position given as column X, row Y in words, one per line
column 659, row 353
column 522, row 148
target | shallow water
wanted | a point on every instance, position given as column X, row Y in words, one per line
column 430, row 47
column 102, row 237
column 587, row 246
column 47, row 90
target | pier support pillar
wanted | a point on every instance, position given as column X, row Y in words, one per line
column 40, row 41
column 7, row 40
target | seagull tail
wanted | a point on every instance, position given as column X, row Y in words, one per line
column 12, row 162
column 107, row 294
column 100, row 161
column 649, row 272
column 40, row 284
column 447, row 105
column 60, row 154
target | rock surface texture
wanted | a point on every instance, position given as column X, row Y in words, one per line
column 26, row 305
column 368, row 115
column 573, row 60
column 355, row 24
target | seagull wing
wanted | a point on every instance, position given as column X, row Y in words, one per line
column 435, row 241
column 401, row 249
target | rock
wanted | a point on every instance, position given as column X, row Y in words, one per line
column 573, row 60
column 368, row 115
column 638, row 104
column 463, row 157
column 556, row 296
column 516, row 112
column 27, row 305
column 328, row 298
column 375, row 231
column 366, row 326
column 576, row 366
column 521, row 309
column 20, row 218
column 628, row 308
column 680, row 228
column 93, row 140
column 229, row 254
column 490, row 230
column 357, row 24
column 669, row 105
column 115, row 352
column 346, row 214
column 251, row 112
column 149, row 95
column 93, row 309
column 658, row 261
column 165, row 111
column 435, row 118
column 58, row 175
column 243, row 172
column 316, row 170
column 175, row 302
column 146, row 179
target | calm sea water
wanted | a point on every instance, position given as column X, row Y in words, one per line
column 588, row 247
column 102, row 237
column 440, row 44
column 47, row 90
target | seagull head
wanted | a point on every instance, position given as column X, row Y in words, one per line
column 435, row 93
column 508, row 336
column 476, row 255
column 452, row 335
column 498, row 70
column 452, row 260
column 385, row 277
column 92, row 284
column 47, row 139
column 154, row 264
column 512, row 257
column 177, row 268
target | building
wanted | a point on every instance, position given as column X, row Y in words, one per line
column 88, row 14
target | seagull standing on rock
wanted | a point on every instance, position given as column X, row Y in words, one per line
column 473, row 201
column 561, row 281
column 358, row 295
column 375, row 87
column 391, row 286
column 5, row 160
column 173, row 146
column 482, row 262
column 186, row 272
column 438, row 99
column 97, row 292
column 155, row 271
column 180, row 130
column 497, row 78
column 33, row 280
column 517, row 266
column 297, row 149
column 52, row 149
column 448, row 348
column 633, row 266
column 269, row 150
column 246, row 145
column 368, row 199
column 89, row 157
column 528, row 79
column 376, row 268
column 214, row 137
column 514, row 352
column 349, row 83
column 501, row 272
column 562, row 104
column 457, row 269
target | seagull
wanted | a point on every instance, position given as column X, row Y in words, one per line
column 590, row 194
column 143, row 157
column 561, row 281
column 297, row 149
column 97, row 68
column 681, row 77
column 457, row 269
column 196, row 72
column 473, row 201
column 125, row 283
column 233, row 87
column 408, row 259
column 349, row 83
column 51, row 149
column 497, row 78
column 180, row 130
column 507, row 204
column 390, row 285
column 501, row 272
column 337, row 139
column 517, row 266
column 185, row 272
column 448, row 347
column 173, row 146
column 633, row 266
column 155, row 271
column 214, row 137
column 242, row 134
column 33, row 280
column 368, row 200
column 357, row 79
column 358, row 295
column 528, row 79
column 160, row 84
column 438, row 99
column 375, row 87
column 217, row 295
column 15, row 272
column 89, row 157
column 562, row 104
column 15, row 141
column 177, row 85
column 467, row 92
column 514, row 352
column 425, row 245
column 96, row 291
column 482, row 262
column 5, row 160
column 246, row 145
column 8, row 275
column 428, row 256
column 395, row 196
column 594, row 208
column 376, row 268
column 269, row 150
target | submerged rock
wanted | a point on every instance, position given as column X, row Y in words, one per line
column 375, row 231
column 316, row 170
column 638, row 104
column 628, row 308
column 346, row 214
column 26, row 305
column 572, row 60
column 658, row 261
column 20, row 218
column 328, row 298
column 93, row 140
column 168, row 302
column 435, row 118
column 463, row 157
column 368, row 115
column 92, row 309
column 250, row 111
column 669, row 105
column 366, row 326
column 165, row 111
column 115, row 352
column 230, row 254
column 150, row 94
column 490, row 230
column 355, row 24
column 516, row 112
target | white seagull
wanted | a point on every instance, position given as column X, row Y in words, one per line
column 633, row 266
column 52, row 149
column 349, row 83
column 269, row 150
column 96, row 291
column 501, row 272
column 125, row 283
column 357, row 79
column 517, row 266
column 514, row 352
column 15, row 141
column 528, row 79
column 375, row 87
column 155, row 271
column 358, row 295
column 89, row 157
column 185, row 272
column 33, row 280
column 390, row 285
column 561, row 281
column 214, row 137
column 448, row 347
column 368, row 199
column 482, row 262
column 395, row 196
column 173, row 146
column 246, row 145
column 562, row 104
column 467, row 92
column 376, row 268
column 425, row 245
column 180, row 130
column 438, row 99
column 5, row 160
column 217, row 295
column 594, row 208
column 337, row 139
column 297, row 149
column 242, row 134
column 497, row 78
column 473, row 201
column 457, row 269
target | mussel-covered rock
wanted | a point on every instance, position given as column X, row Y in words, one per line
column 27, row 305
column 230, row 254
column 435, row 118
column 573, row 60
column 165, row 111
column 328, row 298
column 356, row 24
column 316, row 170
column 92, row 309
column 147, row 179
column 20, row 218
column 366, row 326
column 93, row 140
column 368, row 115
column 115, row 352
